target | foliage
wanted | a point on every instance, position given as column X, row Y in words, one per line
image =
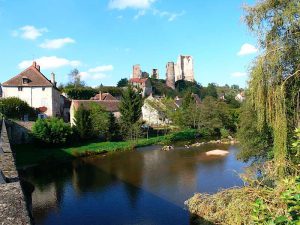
column 274, row 79
column 15, row 108
column 51, row 131
column 113, row 132
column 160, row 88
column 211, row 90
column 99, row 119
column 189, row 134
column 183, row 87
column 75, row 79
column 114, row 91
column 224, row 133
column 83, row 123
column 131, row 111
column 80, row 93
column 122, row 83
column 255, row 143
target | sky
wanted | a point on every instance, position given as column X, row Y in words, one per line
column 103, row 39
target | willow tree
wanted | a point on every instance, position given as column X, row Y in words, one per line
column 274, row 78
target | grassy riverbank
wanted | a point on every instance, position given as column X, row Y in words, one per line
column 34, row 154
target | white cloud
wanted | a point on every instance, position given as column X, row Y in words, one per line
column 50, row 62
column 29, row 32
column 100, row 69
column 238, row 74
column 135, row 4
column 171, row 16
column 56, row 43
column 247, row 49
column 140, row 14
column 96, row 73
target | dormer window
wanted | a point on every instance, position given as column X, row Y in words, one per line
column 20, row 89
column 25, row 80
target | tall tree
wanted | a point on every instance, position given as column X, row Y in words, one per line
column 83, row 123
column 75, row 78
column 274, row 79
column 130, row 109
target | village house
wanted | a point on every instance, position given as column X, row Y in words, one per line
column 240, row 97
column 34, row 88
column 142, row 83
column 105, row 100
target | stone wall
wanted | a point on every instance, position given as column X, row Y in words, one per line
column 19, row 132
column 13, row 208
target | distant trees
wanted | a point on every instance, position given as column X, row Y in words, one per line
column 122, row 83
column 75, row 79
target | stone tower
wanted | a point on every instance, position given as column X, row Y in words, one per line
column 170, row 75
column 184, row 69
column 155, row 74
column 136, row 71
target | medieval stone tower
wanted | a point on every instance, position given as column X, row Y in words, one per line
column 136, row 71
column 184, row 68
column 170, row 75
column 155, row 74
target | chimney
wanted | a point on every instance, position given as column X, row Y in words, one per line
column 53, row 79
column 100, row 95
column 38, row 67
column 34, row 64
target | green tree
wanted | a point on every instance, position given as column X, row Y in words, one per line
column 51, row 131
column 83, row 123
column 122, row 83
column 99, row 119
column 113, row 132
column 15, row 108
column 274, row 78
column 130, row 109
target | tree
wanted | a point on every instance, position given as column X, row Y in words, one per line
column 15, row 108
column 130, row 109
column 113, row 132
column 274, row 78
column 83, row 123
column 75, row 78
column 211, row 90
column 122, row 83
column 51, row 131
column 99, row 119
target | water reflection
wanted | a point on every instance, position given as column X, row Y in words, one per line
column 147, row 186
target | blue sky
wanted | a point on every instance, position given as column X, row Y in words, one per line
column 104, row 38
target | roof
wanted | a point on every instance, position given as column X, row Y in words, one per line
column 197, row 99
column 109, row 105
column 34, row 76
column 138, row 80
column 104, row 96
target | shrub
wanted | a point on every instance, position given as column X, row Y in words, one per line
column 83, row 123
column 189, row 134
column 51, row 131
column 15, row 108
column 224, row 133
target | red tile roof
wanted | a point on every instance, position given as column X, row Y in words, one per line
column 34, row 76
column 138, row 80
column 109, row 105
column 105, row 96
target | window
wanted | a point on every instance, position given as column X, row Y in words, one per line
column 20, row 89
column 43, row 88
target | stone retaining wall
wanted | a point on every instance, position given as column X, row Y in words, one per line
column 13, row 208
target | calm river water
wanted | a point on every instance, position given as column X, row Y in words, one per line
column 146, row 187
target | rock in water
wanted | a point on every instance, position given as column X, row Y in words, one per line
column 217, row 152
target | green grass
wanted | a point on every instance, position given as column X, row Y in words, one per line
column 33, row 154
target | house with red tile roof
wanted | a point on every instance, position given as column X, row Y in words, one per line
column 109, row 105
column 34, row 88
column 142, row 83
column 103, row 96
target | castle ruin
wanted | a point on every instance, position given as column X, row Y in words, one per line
column 170, row 75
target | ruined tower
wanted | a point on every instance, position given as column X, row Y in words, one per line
column 136, row 71
column 155, row 74
column 170, row 75
column 184, row 68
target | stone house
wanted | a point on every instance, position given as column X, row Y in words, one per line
column 108, row 105
column 153, row 112
column 144, row 84
column 240, row 97
column 34, row 88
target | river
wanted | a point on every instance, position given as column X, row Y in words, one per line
column 146, row 186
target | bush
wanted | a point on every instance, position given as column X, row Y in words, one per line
column 83, row 123
column 182, row 135
column 15, row 108
column 51, row 131
column 224, row 133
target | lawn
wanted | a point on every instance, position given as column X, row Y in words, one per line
column 31, row 154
